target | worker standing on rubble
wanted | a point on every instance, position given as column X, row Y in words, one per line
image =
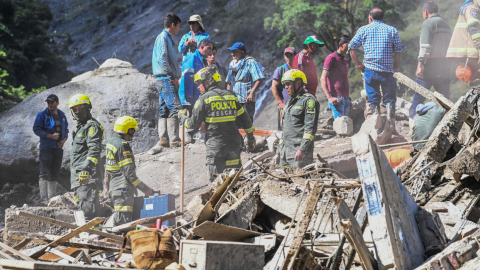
column 121, row 168
column 85, row 170
column 300, row 121
column 245, row 77
column 191, row 40
column 167, row 71
column 220, row 110
column 433, row 68
column 51, row 126
column 279, row 90
column 303, row 61
column 379, row 42
column 464, row 45
column 188, row 91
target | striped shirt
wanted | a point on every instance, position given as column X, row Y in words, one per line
column 244, row 79
column 379, row 42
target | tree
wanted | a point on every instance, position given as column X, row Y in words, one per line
column 326, row 19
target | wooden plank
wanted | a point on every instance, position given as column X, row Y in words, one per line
column 68, row 236
column 15, row 264
column 219, row 232
column 302, row 227
column 6, row 256
column 67, row 225
column 131, row 225
column 352, row 232
column 74, row 242
column 15, row 252
column 22, row 244
column 225, row 193
column 391, row 210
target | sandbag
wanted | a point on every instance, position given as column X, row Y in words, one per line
column 152, row 248
column 424, row 125
column 431, row 230
column 397, row 157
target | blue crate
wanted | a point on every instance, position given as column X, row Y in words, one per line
column 157, row 206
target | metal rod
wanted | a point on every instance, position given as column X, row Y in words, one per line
column 419, row 171
column 182, row 165
column 401, row 144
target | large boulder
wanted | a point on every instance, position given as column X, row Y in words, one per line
column 116, row 89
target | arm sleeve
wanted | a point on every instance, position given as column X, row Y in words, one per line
column 94, row 143
column 243, row 120
column 297, row 62
column 181, row 47
column 473, row 26
column 256, row 70
column 397, row 43
column 163, row 55
column 356, row 41
column 38, row 127
column 125, row 161
column 199, row 114
column 66, row 127
column 425, row 46
column 327, row 65
column 311, row 113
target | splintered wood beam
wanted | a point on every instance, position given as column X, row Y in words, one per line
column 302, row 227
column 68, row 236
column 67, row 225
column 15, row 252
column 22, row 244
column 354, row 236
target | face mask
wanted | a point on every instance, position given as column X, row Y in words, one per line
column 81, row 115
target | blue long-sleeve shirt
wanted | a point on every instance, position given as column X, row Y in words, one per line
column 198, row 37
column 164, row 58
column 188, row 90
column 45, row 124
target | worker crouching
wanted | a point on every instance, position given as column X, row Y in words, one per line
column 300, row 120
column 85, row 171
column 120, row 166
column 220, row 110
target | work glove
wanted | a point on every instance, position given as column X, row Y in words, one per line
column 250, row 142
column 83, row 177
column 182, row 115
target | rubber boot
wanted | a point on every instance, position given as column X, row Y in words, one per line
column 391, row 116
column 173, row 127
column 188, row 137
column 374, row 108
column 52, row 189
column 43, row 185
column 162, row 132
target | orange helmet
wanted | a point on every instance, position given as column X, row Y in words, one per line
column 463, row 73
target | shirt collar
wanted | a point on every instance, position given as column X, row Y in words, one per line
column 435, row 15
column 376, row 21
column 167, row 32
column 341, row 56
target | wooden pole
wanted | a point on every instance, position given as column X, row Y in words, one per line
column 402, row 144
column 182, row 165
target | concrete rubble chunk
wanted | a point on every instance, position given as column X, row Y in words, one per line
column 378, row 127
column 273, row 195
column 343, row 126
column 242, row 213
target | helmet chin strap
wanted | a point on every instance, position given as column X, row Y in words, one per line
column 295, row 92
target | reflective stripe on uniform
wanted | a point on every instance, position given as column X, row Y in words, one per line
column 462, row 50
column 186, row 124
column 220, row 119
column 461, row 25
column 111, row 147
column 281, row 141
column 112, row 167
column 100, row 193
column 94, row 160
column 120, row 164
column 76, row 198
column 475, row 36
column 232, row 162
column 240, row 112
column 123, row 208
column 308, row 136
column 286, row 166
column 136, row 182
column 215, row 98
column 249, row 130
column 473, row 21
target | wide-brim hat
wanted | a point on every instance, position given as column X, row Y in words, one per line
column 196, row 18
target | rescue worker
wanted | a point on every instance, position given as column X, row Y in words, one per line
column 85, row 170
column 300, row 120
column 220, row 110
column 121, row 168
column 465, row 42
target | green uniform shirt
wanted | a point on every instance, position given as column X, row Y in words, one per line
column 86, row 149
column 300, row 121
column 434, row 40
column 221, row 111
column 121, row 165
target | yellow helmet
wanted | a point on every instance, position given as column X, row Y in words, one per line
column 124, row 123
column 207, row 73
column 79, row 99
column 293, row 75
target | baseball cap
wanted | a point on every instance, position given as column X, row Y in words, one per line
column 52, row 97
column 313, row 39
column 238, row 45
column 290, row 50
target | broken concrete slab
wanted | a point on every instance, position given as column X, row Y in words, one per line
column 275, row 196
column 343, row 126
column 467, row 162
column 243, row 212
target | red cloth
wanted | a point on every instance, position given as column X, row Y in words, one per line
column 305, row 63
column 337, row 80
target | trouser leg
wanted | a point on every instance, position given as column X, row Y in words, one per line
column 55, row 171
column 46, row 158
column 290, row 157
column 87, row 199
column 372, row 87
column 123, row 202
column 216, row 159
column 442, row 86
column 249, row 108
column 233, row 159
column 389, row 87
column 417, row 98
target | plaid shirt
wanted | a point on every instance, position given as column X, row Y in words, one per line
column 379, row 42
column 245, row 78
